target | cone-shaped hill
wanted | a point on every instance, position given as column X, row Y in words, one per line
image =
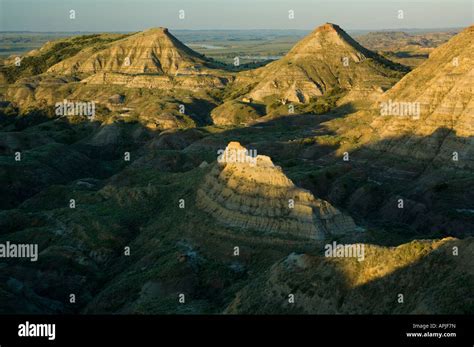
column 148, row 76
column 250, row 192
column 325, row 60
column 153, row 51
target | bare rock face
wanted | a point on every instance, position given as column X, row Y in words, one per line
column 443, row 85
column 153, row 75
column 432, row 107
column 150, row 59
column 151, row 51
column 326, row 59
column 250, row 192
column 192, row 83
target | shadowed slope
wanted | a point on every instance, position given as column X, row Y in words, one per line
column 441, row 93
column 372, row 286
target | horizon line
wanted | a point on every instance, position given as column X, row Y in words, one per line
column 211, row 29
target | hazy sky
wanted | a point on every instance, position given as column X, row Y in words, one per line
column 132, row 15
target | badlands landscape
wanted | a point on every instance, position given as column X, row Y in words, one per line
column 118, row 159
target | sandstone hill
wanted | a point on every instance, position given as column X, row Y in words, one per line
column 154, row 51
column 425, row 272
column 150, row 77
column 441, row 92
column 252, row 193
column 327, row 59
column 150, row 59
column 38, row 61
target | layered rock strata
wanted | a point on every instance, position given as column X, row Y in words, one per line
column 252, row 193
column 429, row 114
column 327, row 59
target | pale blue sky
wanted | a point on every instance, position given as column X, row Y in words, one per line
column 133, row 15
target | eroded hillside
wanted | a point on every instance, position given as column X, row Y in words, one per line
column 133, row 206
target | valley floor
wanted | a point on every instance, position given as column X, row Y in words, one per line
column 127, row 246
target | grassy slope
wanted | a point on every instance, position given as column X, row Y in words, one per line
column 57, row 51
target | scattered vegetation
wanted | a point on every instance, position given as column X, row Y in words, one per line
column 39, row 62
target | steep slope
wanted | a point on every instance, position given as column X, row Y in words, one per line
column 150, row 59
column 434, row 99
column 325, row 60
column 149, row 76
column 152, row 51
column 51, row 53
column 425, row 272
column 421, row 151
column 252, row 193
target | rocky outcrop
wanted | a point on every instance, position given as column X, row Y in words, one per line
column 191, row 82
column 325, row 60
column 153, row 60
column 432, row 108
column 150, row 59
column 250, row 192
column 153, row 51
